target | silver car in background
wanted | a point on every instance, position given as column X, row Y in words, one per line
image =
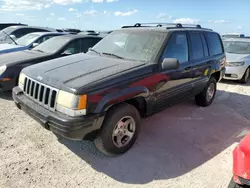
column 238, row 59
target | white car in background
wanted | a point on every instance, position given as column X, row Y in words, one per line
column 238, row 59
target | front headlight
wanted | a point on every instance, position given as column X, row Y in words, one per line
column 235, row 64
column 70, row 104
column 2, row 69
column 21, row 80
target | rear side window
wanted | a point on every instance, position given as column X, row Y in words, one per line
column 177, row 47
column 196, row 46
column 214, row 43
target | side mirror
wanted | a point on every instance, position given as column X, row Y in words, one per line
column 35, row 45
column 67, row 52
column 170, row 64
column 13, row 36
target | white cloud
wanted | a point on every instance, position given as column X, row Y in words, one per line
column 110, row 1
column 72, row 10
column 78, row 15
column 24, row 5
column 118, row 13
column 30, row 18
column 52, row 14
column 186, row 21
column 90, row 12
column 19, row 14
column 48, row 19
column 61, row 19
column 66, row 2
column 164, row 16
column 97, row 1
column 239, row 27
column 218, row 21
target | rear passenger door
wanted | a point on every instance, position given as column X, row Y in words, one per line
column 199, row 60
column 88, row 43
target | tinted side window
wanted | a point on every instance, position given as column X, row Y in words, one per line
column 38, row 30
column 44, row 38
column 21, row 32
column 88, row 43
column 177, row 47
column 204, row 42
column 196, row 46
column 214, row 43
column 74, row 47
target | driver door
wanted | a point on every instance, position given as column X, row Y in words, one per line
column 178, row 83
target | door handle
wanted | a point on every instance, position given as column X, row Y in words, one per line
column 188, row 68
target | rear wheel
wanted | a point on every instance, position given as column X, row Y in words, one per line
column 245, row 76
column 206, row 97
column 119, row 131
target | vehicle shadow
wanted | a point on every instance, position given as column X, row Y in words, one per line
column 175, row 141
column 7, row 95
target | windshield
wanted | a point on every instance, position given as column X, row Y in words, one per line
column 5, row 32
column 52, row 45
column 237, row 47
column 132, row 45
column 27, row 39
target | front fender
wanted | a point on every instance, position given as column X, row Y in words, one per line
column 121, row 96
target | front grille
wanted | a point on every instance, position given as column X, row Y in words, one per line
column 41, row 93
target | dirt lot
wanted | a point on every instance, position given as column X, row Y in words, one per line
column 183, row 146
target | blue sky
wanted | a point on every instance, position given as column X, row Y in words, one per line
column 221, row 15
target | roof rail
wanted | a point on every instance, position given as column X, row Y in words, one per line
column 172, row 25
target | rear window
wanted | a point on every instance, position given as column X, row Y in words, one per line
column 214, row 44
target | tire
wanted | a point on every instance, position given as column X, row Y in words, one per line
column 245, row 76
column 202, row 98
column 107, row 140
column 232, row 184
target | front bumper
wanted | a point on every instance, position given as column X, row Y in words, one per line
column 75, row 128
column 235, row 73
column 7, row 85
column 223, row 72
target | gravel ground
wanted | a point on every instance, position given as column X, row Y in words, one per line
column 183, row 146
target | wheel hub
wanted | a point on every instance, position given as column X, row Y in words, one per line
column 210, row 91
column 123, row 131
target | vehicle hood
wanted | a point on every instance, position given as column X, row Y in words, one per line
column 236, row 57
column 79, row 70
column 6, row 48
column 19, row 57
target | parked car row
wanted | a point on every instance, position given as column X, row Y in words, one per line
column 10, row 32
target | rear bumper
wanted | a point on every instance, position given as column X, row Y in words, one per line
column 75, row 128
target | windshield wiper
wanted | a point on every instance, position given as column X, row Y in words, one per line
column 93, row 50
column 114, row 55
column 10, row 37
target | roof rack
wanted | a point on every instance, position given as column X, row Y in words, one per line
column 169, row 25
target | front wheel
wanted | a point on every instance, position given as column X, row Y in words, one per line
column 206, row 97
column 245, row 76
column 119, row 131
